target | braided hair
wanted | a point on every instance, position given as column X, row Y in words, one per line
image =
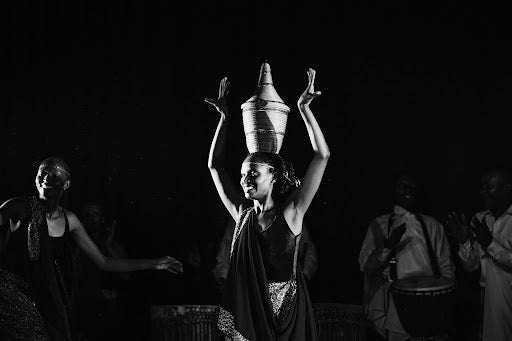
column 282, row 169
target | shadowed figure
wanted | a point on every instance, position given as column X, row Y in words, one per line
column 401, row 244
column 102, row 296
column 485, row 244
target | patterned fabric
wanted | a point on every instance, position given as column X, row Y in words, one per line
column 282, row 295
column 239, row 225
column 36, row 212
column 19, row 318
column 226, row 324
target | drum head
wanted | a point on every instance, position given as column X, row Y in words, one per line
column 423, row 283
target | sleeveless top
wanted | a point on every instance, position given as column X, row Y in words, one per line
column 16, row 254
column 45, row 266
column 278, row 244
column 59, row 253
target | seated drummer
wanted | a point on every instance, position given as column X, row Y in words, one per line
column 400, row 234
column 489, row 248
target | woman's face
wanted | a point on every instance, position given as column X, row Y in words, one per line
column 51, row 180
column 257, row 180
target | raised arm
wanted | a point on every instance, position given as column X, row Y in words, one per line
column 307, row 190
column 231, row 198
column 104, row 263
column 5, row 213
column 13, row 211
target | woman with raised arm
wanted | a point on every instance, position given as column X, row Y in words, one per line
column 38, row 275
column 265, row 297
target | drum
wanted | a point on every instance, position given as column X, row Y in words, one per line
column 184, row 322
column 339, row 322
column 425, row 305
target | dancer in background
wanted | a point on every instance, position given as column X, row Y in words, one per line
column 39, row 271
column 101, row 295
column 265, row 297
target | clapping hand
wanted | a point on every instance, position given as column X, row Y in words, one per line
column 309, row 94
column 221, row 103
column 481, row 232
column 459, row 227
column 168, row 264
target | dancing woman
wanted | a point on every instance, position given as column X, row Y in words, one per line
column 265, row 297
column 38, row 275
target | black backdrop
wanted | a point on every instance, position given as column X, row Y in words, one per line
column 116, row 88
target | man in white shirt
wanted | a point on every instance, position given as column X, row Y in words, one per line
column 400, row 233
column 489, row 247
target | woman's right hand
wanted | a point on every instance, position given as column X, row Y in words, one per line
column 459, row 227
column 309, row 94
column 167, row 263
column 221, row 103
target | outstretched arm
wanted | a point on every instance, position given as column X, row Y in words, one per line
column 86, row 245
column 305, row 193
column 225, row 187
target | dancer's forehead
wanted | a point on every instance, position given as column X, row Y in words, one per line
column 247, row 165
column 54, row 168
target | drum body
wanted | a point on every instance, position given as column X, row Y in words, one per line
column 340, row 322
column 184, row 323
column 425, row 305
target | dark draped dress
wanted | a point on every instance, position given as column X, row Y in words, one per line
column 36, row 280
column 265, row 297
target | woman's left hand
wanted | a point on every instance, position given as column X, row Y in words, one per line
column 167, row 263
column 310, row 93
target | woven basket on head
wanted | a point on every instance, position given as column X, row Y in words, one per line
column 264, row 116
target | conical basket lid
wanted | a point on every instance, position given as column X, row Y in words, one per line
column 265, row 90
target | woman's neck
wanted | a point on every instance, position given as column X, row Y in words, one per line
column 264, row 206
column 51, row 207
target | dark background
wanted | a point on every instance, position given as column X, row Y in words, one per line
column 116, row 88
